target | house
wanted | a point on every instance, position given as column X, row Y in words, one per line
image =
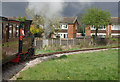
column 68, row 28
column 112, row 29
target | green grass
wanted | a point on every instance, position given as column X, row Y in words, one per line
column 38, row 51
column 42, row 51
column 102, row 65
column 112, row 45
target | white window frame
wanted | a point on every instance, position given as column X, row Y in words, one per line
column 115, row 27
column 62, row 35
column 92, row 28
column 63, row 26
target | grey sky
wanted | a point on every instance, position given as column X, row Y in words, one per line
column 110, row 6
column 13, row 8
column 73, row 8
column 60, row 0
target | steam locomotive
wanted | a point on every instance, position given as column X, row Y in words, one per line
column 17, row 41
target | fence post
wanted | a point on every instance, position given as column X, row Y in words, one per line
column 52, row 41
column 67, row 41
column 60, row 41
column 73, row 41
column 84, row 39
column 35, row 42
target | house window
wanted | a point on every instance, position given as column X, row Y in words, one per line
column 92, row 27
column 115, row 27
column 64, row 26
column 76, row 27
column 64, row 36
column 102, row 27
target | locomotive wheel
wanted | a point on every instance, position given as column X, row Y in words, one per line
column 22, row 57
column 31, row 51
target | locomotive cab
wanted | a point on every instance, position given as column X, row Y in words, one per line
column 17, row 41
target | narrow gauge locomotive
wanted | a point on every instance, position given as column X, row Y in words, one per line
column 17, row 41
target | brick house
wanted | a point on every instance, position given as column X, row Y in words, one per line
column 112, row 30
column 68, row 28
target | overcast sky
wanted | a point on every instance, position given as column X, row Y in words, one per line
column 10, row 9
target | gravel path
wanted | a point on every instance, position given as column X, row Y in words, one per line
column 15, row 70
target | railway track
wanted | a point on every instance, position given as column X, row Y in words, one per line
column 69, row 51
column 9, row 66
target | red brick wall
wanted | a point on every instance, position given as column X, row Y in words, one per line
column 72, row 30
column 87, row 31
column 76, row 25
column 115, row 31
column 108, row 30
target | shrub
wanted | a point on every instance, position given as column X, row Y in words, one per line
column 59, row 48
column 114, row 39
column 63, row 56
column 83, row 44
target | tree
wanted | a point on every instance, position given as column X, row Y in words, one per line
column 36, row 31
column 37, row 26
column 49, row 25
column 37, row 22
column 21, row 18
column 97, row 17
column 30, row 13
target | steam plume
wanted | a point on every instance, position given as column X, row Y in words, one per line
column 48, row 10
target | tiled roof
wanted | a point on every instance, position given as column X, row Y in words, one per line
column 115, row 20
column 68, row 19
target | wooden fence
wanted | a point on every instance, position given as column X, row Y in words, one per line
column 40, row 43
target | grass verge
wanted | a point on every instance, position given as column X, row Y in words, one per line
column 102, row 65
column 41, row 51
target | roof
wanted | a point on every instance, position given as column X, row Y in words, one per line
column 3, row 18
column 115, row 20
column 12, row 18
column 69, row 20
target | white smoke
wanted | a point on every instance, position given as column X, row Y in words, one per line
column 48, row 10
column 51, row 10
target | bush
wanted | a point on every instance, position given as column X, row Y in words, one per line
column 59, row 48
column 83, row 44
column 114, row 39
column 63, row 56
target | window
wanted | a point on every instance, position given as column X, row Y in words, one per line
column 64, row 36
column 2, row 31
column 115, row 27
column 102, row 27
column 76, row 27
column 60, row 26
column 64, row 26
column 17, row 30
column 14, row 30
column 92, row 27
column 10, row 31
